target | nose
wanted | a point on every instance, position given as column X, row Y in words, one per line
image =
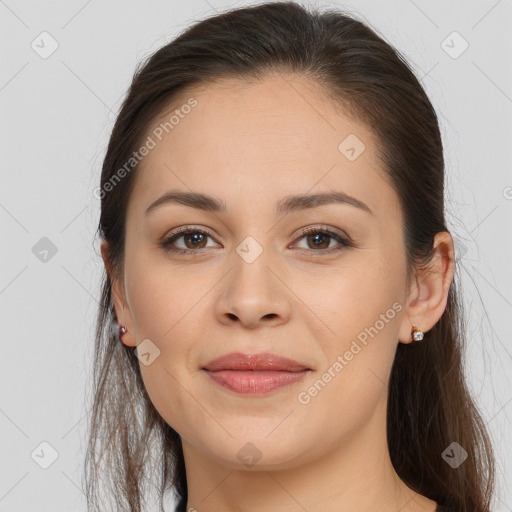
column 253, row 294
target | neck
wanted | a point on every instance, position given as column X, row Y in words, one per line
column 356, row 474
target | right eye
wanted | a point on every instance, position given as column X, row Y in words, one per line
column 193, row 237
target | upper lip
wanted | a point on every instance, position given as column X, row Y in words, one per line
column 262, row 361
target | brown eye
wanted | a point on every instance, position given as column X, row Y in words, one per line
column 193, row 240
column 320, row 240
column 317, row 240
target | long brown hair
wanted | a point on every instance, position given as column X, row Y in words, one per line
column 429, row 405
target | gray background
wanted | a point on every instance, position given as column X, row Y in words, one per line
column 56, row 115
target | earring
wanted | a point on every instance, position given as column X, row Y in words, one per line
column 122, row 330
column 416, row 333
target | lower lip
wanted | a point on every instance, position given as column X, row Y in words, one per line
column 255, row 382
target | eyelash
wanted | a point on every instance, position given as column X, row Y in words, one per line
column 186, row 230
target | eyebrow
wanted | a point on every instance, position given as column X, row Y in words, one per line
column 285, row 206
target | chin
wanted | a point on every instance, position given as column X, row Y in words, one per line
column 258, row 453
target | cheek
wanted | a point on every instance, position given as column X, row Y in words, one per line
column 361, row 313
column 351, row 299
column 162, row 312
column 160, row 295
column 344, row 396
column 359, row 347
column 167, row 306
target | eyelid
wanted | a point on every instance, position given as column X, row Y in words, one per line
column 186, row 229
column 323, row 228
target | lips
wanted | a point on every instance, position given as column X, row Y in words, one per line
column 254, row 362
column 255, row 374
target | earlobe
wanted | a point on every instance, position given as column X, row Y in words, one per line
column 428, row 295
column 119, row 299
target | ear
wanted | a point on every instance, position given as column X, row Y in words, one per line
column 118, row 295
column 428, row 293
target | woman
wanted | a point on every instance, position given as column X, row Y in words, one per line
column 279, row 326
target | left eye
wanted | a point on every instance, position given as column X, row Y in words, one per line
column 318, row 240
column 321, row 239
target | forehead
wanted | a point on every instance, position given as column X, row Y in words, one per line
column 259, row 139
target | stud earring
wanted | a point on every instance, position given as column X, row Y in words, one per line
column 122, row 330
column 416, row 333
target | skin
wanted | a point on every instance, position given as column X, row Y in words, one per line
column 252, row 144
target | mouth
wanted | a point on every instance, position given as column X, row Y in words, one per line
column 254, row 362
column 255, row 373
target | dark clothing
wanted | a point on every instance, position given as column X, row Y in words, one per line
column 182, row 505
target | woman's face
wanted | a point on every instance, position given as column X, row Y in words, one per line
column 250, row 281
